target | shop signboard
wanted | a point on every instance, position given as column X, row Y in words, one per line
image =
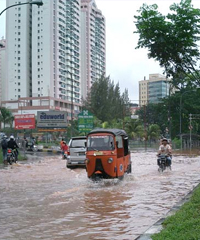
column 24, row 121
column 51, row 119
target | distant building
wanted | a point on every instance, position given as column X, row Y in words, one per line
column 153, row 89
column 134, row 107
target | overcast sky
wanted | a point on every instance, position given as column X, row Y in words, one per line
column 124, row 63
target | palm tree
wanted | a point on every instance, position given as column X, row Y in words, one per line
column 134, row 129
column 153, row 132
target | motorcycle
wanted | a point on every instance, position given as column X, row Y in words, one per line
column 163, row 163
column 32, row 148
column 65, row 154
column 11, row 157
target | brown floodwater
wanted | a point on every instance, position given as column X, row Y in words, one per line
column 42, row 199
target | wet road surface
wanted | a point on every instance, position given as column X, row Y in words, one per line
column 42, row 199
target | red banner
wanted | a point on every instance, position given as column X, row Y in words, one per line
column 25, row 121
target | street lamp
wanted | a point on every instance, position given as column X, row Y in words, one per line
column 38, row 3
column 180, row 124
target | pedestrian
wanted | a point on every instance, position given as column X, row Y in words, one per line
column 24, row 143
column 4, row 146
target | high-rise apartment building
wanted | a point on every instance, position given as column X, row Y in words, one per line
column 93, row 44
column 154, row 89
column 45, row 69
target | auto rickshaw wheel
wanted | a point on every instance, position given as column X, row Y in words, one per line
column 129, row 168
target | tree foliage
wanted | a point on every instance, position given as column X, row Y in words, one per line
column 105, row 100
column 166, row 114
column 6, row 116
column 172, row 40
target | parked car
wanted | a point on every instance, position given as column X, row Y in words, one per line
column 77, row 152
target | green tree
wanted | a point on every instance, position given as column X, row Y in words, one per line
column 5, row 116
column 172, row 40
column 105, row 100
column 135, row 129
column 153, row 132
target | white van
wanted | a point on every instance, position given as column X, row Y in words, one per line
column 77, row 152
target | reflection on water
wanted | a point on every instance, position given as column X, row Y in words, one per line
column 41, row 199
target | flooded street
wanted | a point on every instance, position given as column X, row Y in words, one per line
column 42, row 199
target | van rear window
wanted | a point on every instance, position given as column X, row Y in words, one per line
column 78, row 143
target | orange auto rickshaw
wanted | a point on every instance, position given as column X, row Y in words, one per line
column 107, row 154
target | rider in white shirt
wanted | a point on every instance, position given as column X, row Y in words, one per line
column 165, row 148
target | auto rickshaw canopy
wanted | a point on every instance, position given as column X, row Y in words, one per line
column 114, row 131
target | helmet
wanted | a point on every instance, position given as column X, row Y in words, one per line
column 12, row 137
column 164, row 139
column 4, row 136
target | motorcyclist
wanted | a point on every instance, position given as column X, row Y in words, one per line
column 4, row 145
column 32, row 143
column 64, row 148
column 165, row 149
column 13, row 145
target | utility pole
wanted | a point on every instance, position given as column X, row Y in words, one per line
column 145, row 128
column 72, row 100
column 72, row 105
column 190, row 131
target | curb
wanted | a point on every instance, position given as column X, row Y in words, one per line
column 157, row 226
